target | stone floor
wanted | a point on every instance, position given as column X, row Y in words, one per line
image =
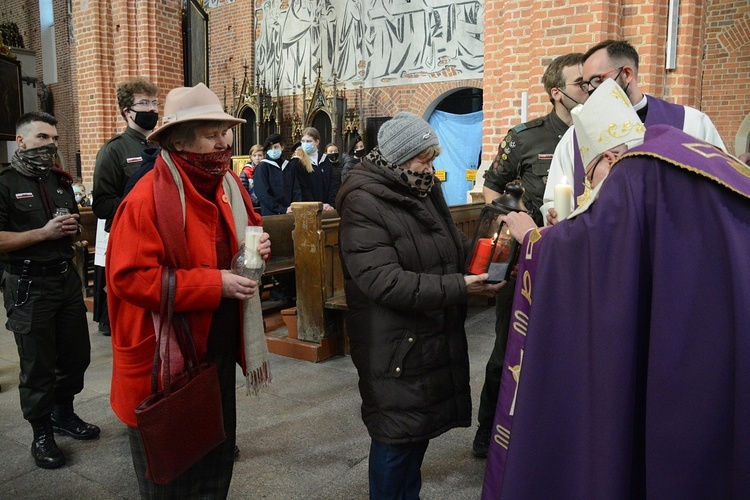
column 301, row 439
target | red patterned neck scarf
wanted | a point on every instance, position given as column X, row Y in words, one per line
column 205, row 170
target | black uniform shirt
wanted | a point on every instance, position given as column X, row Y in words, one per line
column 526, row 154
column 22, row 209
column 116, row 161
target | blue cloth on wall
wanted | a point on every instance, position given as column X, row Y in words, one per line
column 461, row 142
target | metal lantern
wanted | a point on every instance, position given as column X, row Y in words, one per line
column 494, row 250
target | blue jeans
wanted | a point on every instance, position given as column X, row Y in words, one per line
column 395, row 470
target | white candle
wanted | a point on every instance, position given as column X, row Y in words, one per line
column 563, row 199
column 253, row 260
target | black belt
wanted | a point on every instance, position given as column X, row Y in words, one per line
column 39, row 270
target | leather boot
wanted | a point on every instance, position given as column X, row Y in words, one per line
column 481, row 445
column 65, row 421
column 44, row 449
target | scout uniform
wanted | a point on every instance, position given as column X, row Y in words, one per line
column 526, row 153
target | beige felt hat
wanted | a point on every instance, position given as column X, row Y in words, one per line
column 607, row 119
column 186, row 104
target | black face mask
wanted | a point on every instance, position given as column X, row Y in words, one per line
column 563, row 101
column 359, row 153
column 146, row 119
column 334, row 157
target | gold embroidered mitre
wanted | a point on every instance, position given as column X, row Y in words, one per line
column 606, row 120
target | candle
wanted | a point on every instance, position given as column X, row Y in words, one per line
column 253, row 260
column 563, row 199
column 502, row 250
column 481, row 258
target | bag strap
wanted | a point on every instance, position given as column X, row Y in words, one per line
column 171, row 322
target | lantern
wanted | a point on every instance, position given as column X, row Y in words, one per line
column 494, row 250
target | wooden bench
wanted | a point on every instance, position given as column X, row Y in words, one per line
column 279, row 228
column 321, row 301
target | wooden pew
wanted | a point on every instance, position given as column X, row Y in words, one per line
column 279, row 228
column 321, row 302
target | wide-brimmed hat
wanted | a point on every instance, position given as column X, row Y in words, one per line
column 606, row 120
column 185, row 104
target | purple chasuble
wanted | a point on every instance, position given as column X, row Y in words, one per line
column 659, row 112
column 636, row 362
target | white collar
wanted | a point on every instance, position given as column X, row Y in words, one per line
column 641, row 104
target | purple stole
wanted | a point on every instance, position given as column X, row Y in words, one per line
column 500, row 437
column 677, row 149
column 681, row 150
column 659, row 112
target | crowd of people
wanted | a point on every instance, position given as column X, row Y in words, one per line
column 621, row 357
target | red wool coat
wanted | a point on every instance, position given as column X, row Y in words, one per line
column 134, row 274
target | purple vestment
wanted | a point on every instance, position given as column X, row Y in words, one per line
column 659, row 112
column 636, row 359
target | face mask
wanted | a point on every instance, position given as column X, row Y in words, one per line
column 35, row 162
column 308, row 147
column 334, row 157
column 79, row 197
column 563, row 101
column 146, row 119
column 359, row 153
column 274, row 154
column 215, row 163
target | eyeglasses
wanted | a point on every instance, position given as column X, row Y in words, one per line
column 147, row 104
column 597, row 80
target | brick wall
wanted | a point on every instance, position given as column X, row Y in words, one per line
column 117, row 40
column 232, row 46
column 727, row 65
column 26, row 15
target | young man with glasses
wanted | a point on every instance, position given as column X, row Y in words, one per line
column 118, row 159
column 525, row 153
column 618, row 60
column 42, row 290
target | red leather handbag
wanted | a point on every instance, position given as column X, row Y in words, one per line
column 182, row 422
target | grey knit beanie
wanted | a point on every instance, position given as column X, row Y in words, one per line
column 405, row 136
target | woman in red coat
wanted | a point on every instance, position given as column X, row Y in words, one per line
column 188, row 214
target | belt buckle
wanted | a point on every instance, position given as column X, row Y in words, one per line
column 65, row 267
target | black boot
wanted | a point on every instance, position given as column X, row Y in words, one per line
column 481, row 445
column 65, row 421
column 44, row 449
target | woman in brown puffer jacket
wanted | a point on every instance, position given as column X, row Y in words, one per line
column 406, row 294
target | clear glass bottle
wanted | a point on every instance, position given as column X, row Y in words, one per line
column 248, row 261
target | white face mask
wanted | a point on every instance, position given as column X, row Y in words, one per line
column 79, row 197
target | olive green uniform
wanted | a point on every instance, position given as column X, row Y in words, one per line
column 526, row 154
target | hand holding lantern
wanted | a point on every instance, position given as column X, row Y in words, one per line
column 494, row 250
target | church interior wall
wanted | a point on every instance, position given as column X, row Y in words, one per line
column 117, row 39
column 59, row 97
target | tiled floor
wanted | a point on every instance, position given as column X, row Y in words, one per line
column 301, row 439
